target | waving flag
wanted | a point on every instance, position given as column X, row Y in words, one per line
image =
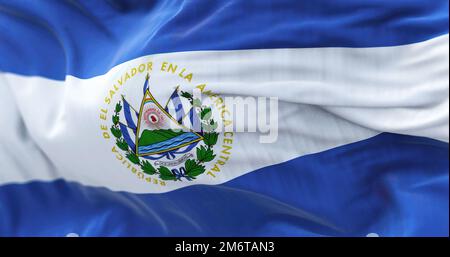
column 359, row 90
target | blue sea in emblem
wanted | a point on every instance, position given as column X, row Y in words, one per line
column 171, row 143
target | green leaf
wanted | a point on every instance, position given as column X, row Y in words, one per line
column 116, row 132
column 214, row 126
column 148, row 168
column 197, row 103
column 210, row 139
column 115, row 119
column 118, row 107
column 207, row 127
column 186, row 95
column 120, row 142
column 206, row 113
column 132, row 157
column 165, row 173
column 205, row 155
column 193, row 169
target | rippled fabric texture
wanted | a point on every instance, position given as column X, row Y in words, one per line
column 380, row 186
column 70, row 32
column 363, row 90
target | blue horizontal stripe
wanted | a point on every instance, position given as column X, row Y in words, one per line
column 87, row 38
column 390, row 184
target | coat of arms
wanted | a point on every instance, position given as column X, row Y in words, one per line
column 162, row 139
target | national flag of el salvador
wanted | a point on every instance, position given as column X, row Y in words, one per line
column 363, row 119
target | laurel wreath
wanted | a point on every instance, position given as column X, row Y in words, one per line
column 193, row 167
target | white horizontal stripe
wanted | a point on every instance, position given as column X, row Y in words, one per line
column 329, row 97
